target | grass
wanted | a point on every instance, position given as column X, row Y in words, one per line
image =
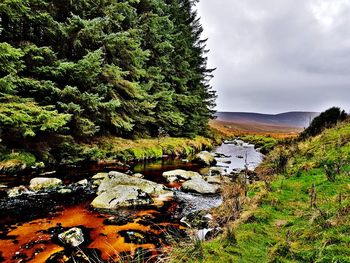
column 283, row 225
column 141, row 149
column 11, row 161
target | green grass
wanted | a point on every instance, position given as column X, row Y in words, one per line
column 265, row 143
column 11, row 161
column 284, row 227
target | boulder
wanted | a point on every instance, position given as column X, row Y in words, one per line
column 44, row 183
column 121, row 196
column 176, row 175
column 199, row 185
column 204, row 158
column 118, row 179
column 72, row 237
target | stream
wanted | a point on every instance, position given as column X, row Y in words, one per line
column 30, row 224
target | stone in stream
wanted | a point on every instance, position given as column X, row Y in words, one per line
column 178, row 174
column 217, row 170
column 44, row 183
column 17, row 191
column 72, row 237
column 83, row 182
column 121, row 196
column 199, row 185
column 116, row 179
column 204, row 158
column 214, row 179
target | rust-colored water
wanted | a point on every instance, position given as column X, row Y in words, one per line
column 32, row 241
column 36, row 240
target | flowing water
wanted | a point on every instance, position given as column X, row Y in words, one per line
column 30, row 225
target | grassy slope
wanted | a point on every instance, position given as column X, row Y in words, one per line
column 104, row 149
column 282, row 226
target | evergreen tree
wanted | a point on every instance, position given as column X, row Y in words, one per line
column 126, row 68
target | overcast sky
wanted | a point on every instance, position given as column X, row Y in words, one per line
column 278, row 55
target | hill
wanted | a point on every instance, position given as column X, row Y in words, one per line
column 279, row 125
column 297, row 119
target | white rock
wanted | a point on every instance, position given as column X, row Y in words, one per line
column 72, row 237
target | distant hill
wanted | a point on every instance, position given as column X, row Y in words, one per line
column 296, row 119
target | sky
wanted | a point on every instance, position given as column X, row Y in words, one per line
column 275, row 56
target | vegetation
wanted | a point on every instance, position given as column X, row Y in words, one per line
column 326, row 119
column 71, row 70
column 298, row 212
column 265, row 143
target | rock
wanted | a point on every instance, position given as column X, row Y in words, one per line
column 121, row 196
column 215, row 179
column 72, row 237
column 208, row 233
column 44, row 183
column 217, row 171
column 118, row 179
column 197, row 220
column 83, row 182
column 3, row 186
column 97, row 178
column 115, row 174
column 138, row 175
column 17, row 191
column 222, row 155
column 47, row 173
column 176, row 175
column 200, row 186
column 204, row 158
column 65, row 191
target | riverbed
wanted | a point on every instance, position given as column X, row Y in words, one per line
column 28, row 231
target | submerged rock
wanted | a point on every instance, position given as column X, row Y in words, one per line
column 199, row 185
column 204, row 158
column 121, row 196
column 72, row 237
column 44, row 183
column 178, row 174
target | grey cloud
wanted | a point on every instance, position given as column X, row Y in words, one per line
column 279, row 55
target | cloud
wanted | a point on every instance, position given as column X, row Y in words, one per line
column 279, row 55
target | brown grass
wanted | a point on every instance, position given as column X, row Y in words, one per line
column 231, row 129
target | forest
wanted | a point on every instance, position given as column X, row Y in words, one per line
column 74, row 70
